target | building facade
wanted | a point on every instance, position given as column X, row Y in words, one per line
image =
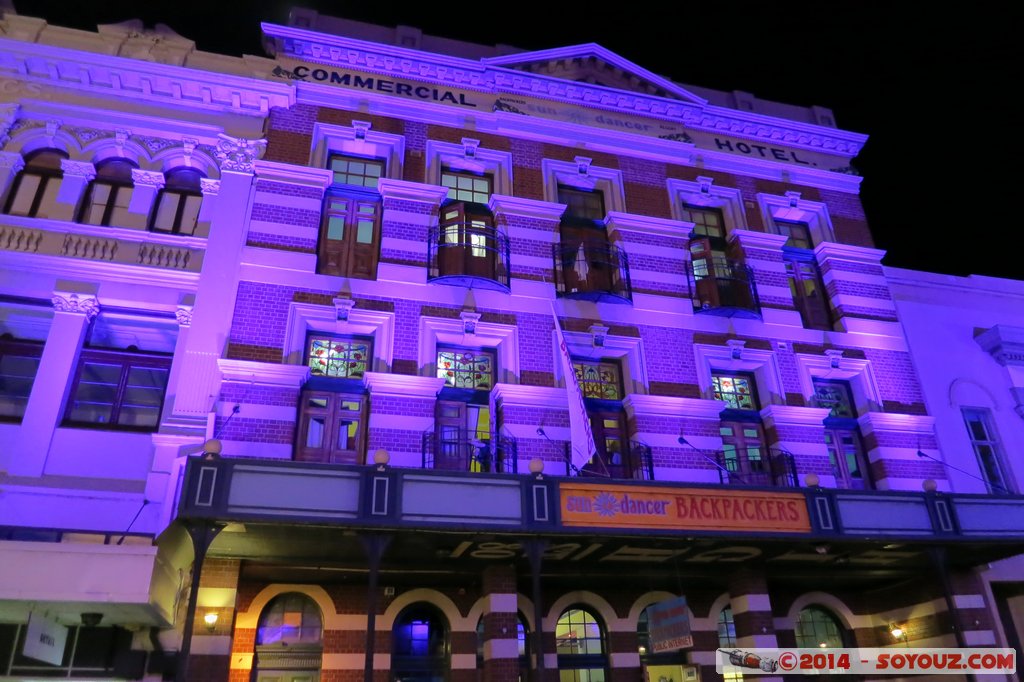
column 388, row 357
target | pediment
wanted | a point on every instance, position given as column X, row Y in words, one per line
column 590, row 63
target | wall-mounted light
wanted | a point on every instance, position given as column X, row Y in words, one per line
column 897, row 632
column 211, row 620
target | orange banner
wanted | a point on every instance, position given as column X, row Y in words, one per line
column 584, row 504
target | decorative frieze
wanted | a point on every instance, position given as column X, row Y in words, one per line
column 238, row 153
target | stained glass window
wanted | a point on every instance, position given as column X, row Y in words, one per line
column 598, row 379
column 353, row 170
column 835, row 395
column 337, row 357
column 463, row 186
column 737, row 390
column 461, row 368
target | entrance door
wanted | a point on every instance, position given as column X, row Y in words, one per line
column 745, row 454
column 847, row 458
column 612, row 460
column 462, row 439
column 350, row 243
column 467, row 244
column 586, row 259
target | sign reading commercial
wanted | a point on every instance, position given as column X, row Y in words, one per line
column 532, row 106
column 584, row 504
column 668, row 625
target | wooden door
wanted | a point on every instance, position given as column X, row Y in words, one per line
column 846, row 454
column 745, row 454
column 610, row 436
column 585, row 259
column 451, row 441
column 350, row 238
column 331, row 428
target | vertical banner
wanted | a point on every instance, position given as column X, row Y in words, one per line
column 45, row 639
column 583, row 447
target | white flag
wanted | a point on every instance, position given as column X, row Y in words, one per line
column 583, row 447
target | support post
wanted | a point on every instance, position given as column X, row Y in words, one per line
column 535, row 553
column 375, row 545
column 202, row 534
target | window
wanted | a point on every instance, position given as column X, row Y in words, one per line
column 600, row 380
column 291, row 619
column 842, row 434
column 106, row 202
column 118, row 389
column 798, row 233
column 467, row 186
column 707, row 222
column 726, row 628
column 808, row 292
column 339, row 357
column 582, row 204
column 332, row 428
column 356, row 171
column 34, row 192
column 350, row 232
column 835, row 395
column 460, row 368
column 986, row 449
column 467, row 249
column 818, row 628
column 736, row 390
column 19, row 362
column 579, row 644
column 177, row 205
column 89, row 653
column 743, row 452
column 419, row 644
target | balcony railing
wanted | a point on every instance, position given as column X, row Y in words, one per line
column 774, row 469
column 724, row 287
column 455, row 449
column 593, row 272
column 469, row 254
column 634, row 464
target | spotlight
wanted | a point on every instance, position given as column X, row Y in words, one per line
column 210, row 619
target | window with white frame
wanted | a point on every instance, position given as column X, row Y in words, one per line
column 986, row 448
column 34, row 191
column 470, row 172
column 805, row 223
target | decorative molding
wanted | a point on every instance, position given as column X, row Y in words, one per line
column 503, row 338
column 357, row 140
column 263, row 373
column 70, row 302
column 292, row 174
column 209, row 187
column 672, row 406
column 704, row 193
column 915, row 424
column 78, row 169
column 184, row 315
column 420, row 192
column 848, row 252
column 647, row 225
column 1004, row 343
column 791, row 414
column 239, row 154
column 154, row 179
column 522, row 395
column 442, row 155
column 383, row 384
column 791, row 207
column 306, row 317
column 8, row 114
column 749, row 239
column 469, row 321
column 12, row 162
column 342, row 308
column 607, row 180
column 502, row 204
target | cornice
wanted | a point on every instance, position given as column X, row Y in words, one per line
column 526, row 208
column 137, row 79
column 384, row 384
column 264, row 373
column 891, row 421
column 848, row 252
column 390, row 188
column 750, row 239
column 672, row 406
column 1004, row 343
column 465, row 73
column 530, row 396
column 793, row 415
column 647, row 224
column 289, row 173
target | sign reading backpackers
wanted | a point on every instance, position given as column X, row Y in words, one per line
column 497, row 101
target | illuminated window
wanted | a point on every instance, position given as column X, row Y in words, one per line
column 356, row 171
column 466, row 186
column 419, row 644
column 736, row 390
column 177, row 205
column 291, row 619
column 707, row 222
column 106, row 202
column 338, row 357
column 818, row 628
column 600, row 380
column 19, row 362
column 466, row 368
column 118, row 390
column 34, row 191
column 799, row 234
column 835, row 395
column 582, row 204
column 579, row 643
column 726, row 628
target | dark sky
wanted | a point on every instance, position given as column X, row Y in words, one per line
column 932, row 90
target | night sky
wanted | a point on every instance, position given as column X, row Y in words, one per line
column 932, row 90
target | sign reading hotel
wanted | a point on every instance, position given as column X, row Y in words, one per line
column 639, row 507
column 348, row 79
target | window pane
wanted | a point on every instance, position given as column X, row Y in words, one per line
column 364, row 232
column 339, row 358
column 95, row 394
column 28, row 184
column 190, row 214
column 143, row 397
column 98, row 197
column 166, row 210
column 466, row 369
column 120, row 216
column 49, row 201
column 16, row 375
column 336, row 228
column 315, row 431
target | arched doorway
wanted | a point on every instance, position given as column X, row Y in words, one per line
column 580, row 645
column 420, row 645
column 289, row 640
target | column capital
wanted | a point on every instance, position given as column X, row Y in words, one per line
column 8, row 114
column 78, row 169
column 184, row 315
column 209, row 187
column 13, row 161
column 153, row 179
column 239, row 154
column 70, row 302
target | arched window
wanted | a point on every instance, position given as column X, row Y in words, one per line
column 419, row 644
column 579, row 642
column 818, row 627
column 34, row 191
column 522, row 638
column 177, row 205
column 110, row 192
column 289, row 620
column 726, row 628
column 289, row 639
